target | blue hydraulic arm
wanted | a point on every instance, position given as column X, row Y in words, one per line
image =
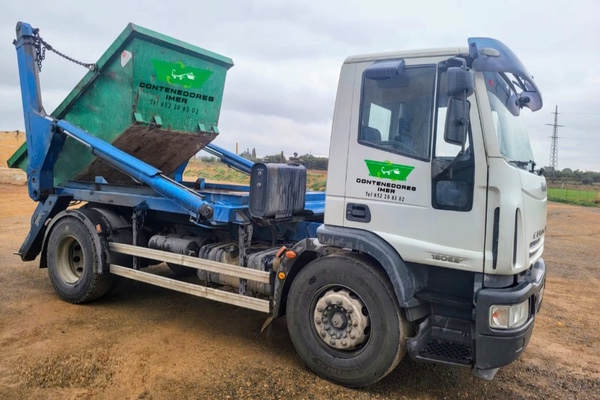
column 188, row 199
column 43, row 145
column 232, row 160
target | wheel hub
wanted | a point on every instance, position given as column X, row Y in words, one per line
column 70, row 260
column 340, row 321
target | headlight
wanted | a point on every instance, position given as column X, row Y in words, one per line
column 508, row 317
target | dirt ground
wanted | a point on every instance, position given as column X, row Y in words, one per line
column 143, row 342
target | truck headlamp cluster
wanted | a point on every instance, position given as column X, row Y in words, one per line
column 509, row 317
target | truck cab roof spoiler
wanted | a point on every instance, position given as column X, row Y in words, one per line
column 492, row 55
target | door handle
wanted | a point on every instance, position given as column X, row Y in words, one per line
column 358, row 212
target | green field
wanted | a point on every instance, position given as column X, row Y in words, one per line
column 582, row 197
column 219, row 172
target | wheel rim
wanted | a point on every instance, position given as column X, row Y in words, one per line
column 341, row 319
column 70, row 260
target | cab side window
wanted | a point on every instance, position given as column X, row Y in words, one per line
column 396, row 113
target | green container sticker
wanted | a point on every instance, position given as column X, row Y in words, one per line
column 180, row 74
column 387, row 170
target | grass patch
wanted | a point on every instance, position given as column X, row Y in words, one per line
column 218, row 172
column 580, row 197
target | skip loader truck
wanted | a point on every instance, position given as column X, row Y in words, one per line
column 427, row 240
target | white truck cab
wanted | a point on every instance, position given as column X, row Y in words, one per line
column 430, row 162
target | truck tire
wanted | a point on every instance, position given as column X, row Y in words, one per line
column 344, row 320
column 72, row 259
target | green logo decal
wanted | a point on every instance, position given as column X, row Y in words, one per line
column 387, row 170
column 178, row 74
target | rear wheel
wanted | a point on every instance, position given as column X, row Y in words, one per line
column 344, row 320
column 73, row 262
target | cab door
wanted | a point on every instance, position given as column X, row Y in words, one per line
column 424, row 196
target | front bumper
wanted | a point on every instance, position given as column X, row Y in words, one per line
column 495, row 347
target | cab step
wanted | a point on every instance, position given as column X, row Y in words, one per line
column 442, row 340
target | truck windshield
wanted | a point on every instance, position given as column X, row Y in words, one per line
column 510, row 128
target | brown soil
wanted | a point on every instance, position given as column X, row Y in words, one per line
column 143, row 342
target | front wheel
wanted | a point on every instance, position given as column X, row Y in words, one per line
column 344, row 320
column 73, row 262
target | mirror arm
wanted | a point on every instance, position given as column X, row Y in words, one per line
column 462, row 61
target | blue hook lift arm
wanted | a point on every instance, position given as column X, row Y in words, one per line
column 186, row 198
column 43, row 145
column 232, row 160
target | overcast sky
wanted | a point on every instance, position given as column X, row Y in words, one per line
column 280, row 93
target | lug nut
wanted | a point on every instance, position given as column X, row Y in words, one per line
column 328, row 302
column 350, row 311
column 320, row 309
column 323, row 334
column 318, row 321
column 339, row 303
column 352, row 336
column 325, row 319
column 332, row 342
column 344, row 343
column 354, row 323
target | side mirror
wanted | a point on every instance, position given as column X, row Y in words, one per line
column 534, row 100
column 460, row 82
column 457, row 121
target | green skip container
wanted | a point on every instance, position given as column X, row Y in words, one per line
column 152, row 96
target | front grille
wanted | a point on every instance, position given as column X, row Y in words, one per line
column 444, row 350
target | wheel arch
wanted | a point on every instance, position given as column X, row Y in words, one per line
column 406, row 279
column 93, row 221
column 291, row 268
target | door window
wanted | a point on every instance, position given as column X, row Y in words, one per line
column 453, row 166
column 396, row 113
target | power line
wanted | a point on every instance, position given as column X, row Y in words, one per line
column 580, row 113
column 554, row 145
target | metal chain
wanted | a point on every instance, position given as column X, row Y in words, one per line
column 40, row 49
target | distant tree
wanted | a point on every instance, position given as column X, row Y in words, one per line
column 274, row 158
column 312, row 162
column 567, row 173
